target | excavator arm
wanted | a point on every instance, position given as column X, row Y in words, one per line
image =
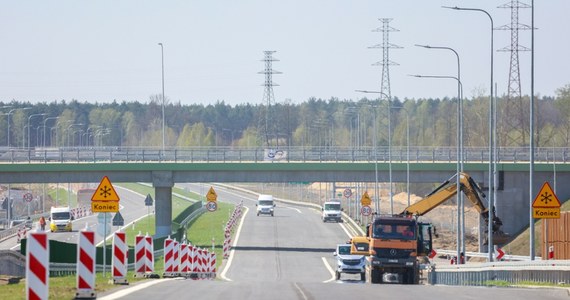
column 447, row 190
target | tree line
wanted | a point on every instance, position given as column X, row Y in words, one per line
column 313, row 123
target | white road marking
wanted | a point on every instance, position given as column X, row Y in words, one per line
column 138, row 287
column 293, row 208
column 301, row 291
column 330, row 270
column 230, row 259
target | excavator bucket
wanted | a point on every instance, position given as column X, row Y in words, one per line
column 501, row 238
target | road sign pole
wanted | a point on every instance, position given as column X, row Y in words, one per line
column 104, row 244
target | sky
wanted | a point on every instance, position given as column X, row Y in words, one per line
column 106, row 50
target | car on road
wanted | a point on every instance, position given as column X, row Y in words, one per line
column 265, row 205
column 332, row 211
column 349, row 263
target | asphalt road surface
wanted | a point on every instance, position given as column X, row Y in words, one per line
column 290, row 256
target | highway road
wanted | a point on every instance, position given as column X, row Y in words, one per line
column 290, row 256
column 131, row 208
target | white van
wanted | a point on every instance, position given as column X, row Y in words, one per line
column 60, row 219
column 265, row 205
column 332, row 211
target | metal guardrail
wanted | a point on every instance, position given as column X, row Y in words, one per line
column 483, row 274
column 293, row 154
column 506, row 257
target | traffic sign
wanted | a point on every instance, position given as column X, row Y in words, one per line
column 432, row 253
column 148, row 200
column 105, row 191
column 118, row 220
column 104, row 206
column 365, row 200
column 211, row 206
column 499, row 254
column 211, row 195
column 28, row 197
column 546, row 204
column 347, row 193
column 366, row 210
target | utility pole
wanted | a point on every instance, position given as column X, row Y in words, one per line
column 270, row 124
column 385, row 86
column 514, row 107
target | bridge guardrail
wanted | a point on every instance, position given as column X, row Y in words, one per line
column 294, row 154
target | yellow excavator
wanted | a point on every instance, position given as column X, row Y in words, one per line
column 472, row 191
column 397, row 242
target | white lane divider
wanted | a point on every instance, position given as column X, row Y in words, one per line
column 138, row 287
column 330, row 270
column 230, row 259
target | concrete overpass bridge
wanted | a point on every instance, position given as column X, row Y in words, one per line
column 165, row 168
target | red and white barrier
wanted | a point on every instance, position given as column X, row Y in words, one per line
column 227, row 244
column 120, row 252
column 140, row 255
column 184, row 256
column 212, row 265
column 169, row 258
column 149, row 254
column 37, row 266
column 86, row 265
column 176, row 258
column 21, row 233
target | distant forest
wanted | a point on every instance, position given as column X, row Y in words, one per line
column 314, row 123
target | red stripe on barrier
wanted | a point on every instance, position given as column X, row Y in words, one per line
column 32, row 295
column 42, row 241
column 85, row 259
column 38, row 269
column 82, row 284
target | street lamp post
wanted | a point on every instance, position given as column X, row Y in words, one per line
column 45, row 120
column 389, row 145
column 29, row 118
column 9, row 113
column 460, row 199
column 492, row 128
column 460, row 228
column 163, row 120
column 407, row 150
column 67, row 132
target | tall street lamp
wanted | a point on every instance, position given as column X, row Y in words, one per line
column 45, row 120
column 9, row 113
column 29, row 118
column 460, row 230
column 163, row 121
column 389, row 145
column 407, row 150
column 492, row 141
column 459, row 132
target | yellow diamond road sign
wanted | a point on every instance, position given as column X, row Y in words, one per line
column 365, row 200
column 105, row 191
column 211, row 195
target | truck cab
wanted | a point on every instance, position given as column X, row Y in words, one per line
column 332, row 211
column 396, row 244
column 60, row 219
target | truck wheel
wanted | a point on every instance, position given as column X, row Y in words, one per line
column 337, row 275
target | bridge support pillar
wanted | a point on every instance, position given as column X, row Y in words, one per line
column 163, row 182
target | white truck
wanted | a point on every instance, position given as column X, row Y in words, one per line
column 332, row 211
column 60, row 219
column 265, row 205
